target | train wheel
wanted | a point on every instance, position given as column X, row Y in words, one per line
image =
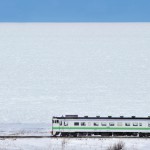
column 75, row 135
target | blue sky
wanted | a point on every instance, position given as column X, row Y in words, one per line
column 74, row 10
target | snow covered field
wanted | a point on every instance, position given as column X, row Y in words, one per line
column 52, row 69
column 77, row 68
column 28, row 129
column 72, row 144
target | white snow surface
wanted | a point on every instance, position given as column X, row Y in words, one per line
column 26, row 129
column 53, row 69
column 72, row 144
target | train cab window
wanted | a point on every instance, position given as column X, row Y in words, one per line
column 111, row 124
column 140, row 124
column 127, row 124
column 65, row 123
column 135, row 123
column 119, row 124
column 56, row 121
column 104, row 124
column 96, row 124
column 83, row 124
column 76, row 123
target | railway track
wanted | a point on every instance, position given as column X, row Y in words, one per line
column 19, row 137
column 58, row 137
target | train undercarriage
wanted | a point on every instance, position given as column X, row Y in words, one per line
column 101, row 134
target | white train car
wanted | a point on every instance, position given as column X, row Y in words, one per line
column 72, row 125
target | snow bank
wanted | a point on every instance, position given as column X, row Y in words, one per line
column 72, row 144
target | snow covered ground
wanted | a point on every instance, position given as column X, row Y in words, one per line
column 73, row 68
column 27, row 129
column 52, row 69
column 72, row 144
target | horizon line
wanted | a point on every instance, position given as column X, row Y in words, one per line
column 74, row 21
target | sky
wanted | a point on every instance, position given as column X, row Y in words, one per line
column 74, row 10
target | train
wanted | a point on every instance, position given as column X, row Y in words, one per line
column 75, row 126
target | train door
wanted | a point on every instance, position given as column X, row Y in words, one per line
column 107, row 127
column 60, row 125
column 64, row 123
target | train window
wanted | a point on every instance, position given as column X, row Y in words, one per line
column 83, row 124
column 111, row 124
column 89, row 123
column 135, row 123
column 127, row 124
column 140, row 124
column 148, row 124
column 53, row 121
column 76, row 123
column 60, row 123
column 103, row 123
column 65, row 123
column 96, row 124
column 119, row 124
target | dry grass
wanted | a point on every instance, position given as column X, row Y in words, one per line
column 117, row 146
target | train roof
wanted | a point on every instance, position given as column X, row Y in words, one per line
column 99, row 117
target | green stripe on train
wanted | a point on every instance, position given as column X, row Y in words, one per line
column 98, row 128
